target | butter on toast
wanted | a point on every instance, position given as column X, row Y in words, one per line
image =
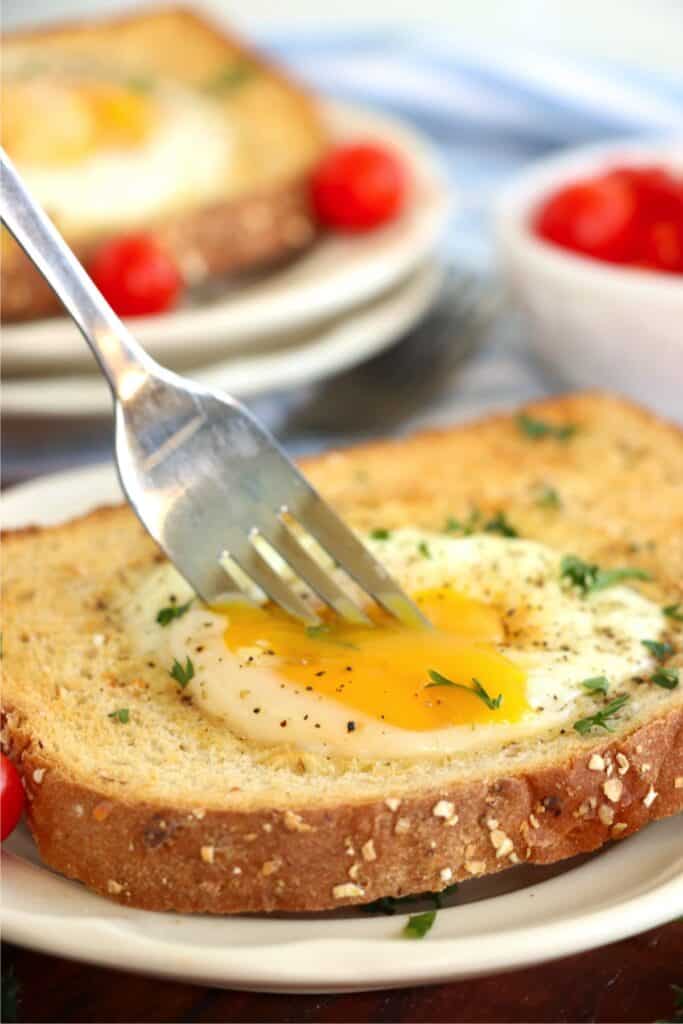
column 259, row 216
column 172, row 811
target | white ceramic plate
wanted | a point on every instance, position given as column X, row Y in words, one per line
column 316, row 353
column 521, row 917
column 336, row 273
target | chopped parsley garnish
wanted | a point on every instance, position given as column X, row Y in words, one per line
column 658, row 649
column 439, row 897
column 423, row 548
column 600, row 720
column 477, row 689
column 463, row 526
column 388, row 905
column 231, row 77
column 674, row 611
column 391, row 905
column 173, row 611
column 182, row 675
column 380, row 534
column 120, row 715
column 548, row 498
column 476, row 523
column 321, row 631
column 419, row 924
column 608, row 577
column 596, row 684
column 499, row 524
column 589, row 577
column 536, row 430
column 665, row 677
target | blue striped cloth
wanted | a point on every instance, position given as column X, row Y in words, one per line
column 488, row 111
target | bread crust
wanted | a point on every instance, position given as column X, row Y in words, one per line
column 254, row 230
column 227, row 237
column 304, row 859
column 312, row 854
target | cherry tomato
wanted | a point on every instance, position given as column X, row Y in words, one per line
column 663, row 246
column 660, row 217
column 136, row 275
column 358, row 187
column 596, row 218
column 628, row 215
column 658, row 193
column 11, row 796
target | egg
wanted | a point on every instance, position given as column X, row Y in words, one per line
column 507, row 651
column 102, row 154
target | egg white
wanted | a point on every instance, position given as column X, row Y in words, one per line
column 564, row 639
column 186, row 159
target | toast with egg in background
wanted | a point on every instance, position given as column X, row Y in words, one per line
column 160, row 122
column 229, row 760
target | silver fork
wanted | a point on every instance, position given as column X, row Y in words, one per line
column 209, row 483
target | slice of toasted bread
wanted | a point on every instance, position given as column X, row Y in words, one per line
column 277, row 133
column 172, row 811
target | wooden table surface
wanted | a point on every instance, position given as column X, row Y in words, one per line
column 627, row 981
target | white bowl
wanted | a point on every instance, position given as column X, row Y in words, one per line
column 597, row 324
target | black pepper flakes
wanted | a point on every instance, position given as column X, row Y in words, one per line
column 350, row 726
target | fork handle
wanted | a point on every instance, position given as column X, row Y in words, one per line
column 123, row 362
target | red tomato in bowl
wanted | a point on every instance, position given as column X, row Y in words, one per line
column 359, row 187
column 657, row 192
column 11, row 797
column 628, row 215
column 663, row 246
column 596, row 218
column 136, row 275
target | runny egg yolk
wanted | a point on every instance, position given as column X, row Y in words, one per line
column 84, row 118
column 383, row 670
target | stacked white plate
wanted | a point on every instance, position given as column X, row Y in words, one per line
column 343, row 301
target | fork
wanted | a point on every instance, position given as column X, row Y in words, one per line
column 205, row 478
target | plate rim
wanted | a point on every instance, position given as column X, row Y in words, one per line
column 340, row 344
column 277, row 967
